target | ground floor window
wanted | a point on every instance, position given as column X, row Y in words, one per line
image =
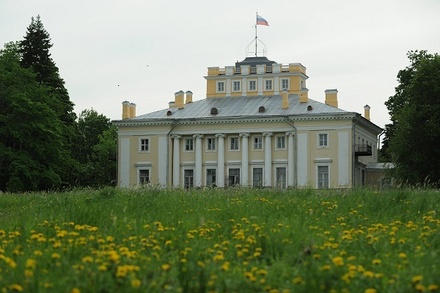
column 281, row 177
column 323, row 177
column 257, row 177
column 211, row 177
column 144, row 176
column 234, row 177
column 188, row 176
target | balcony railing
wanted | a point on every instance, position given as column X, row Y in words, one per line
column 363, row 150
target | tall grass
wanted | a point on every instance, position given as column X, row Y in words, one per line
column 234, row 240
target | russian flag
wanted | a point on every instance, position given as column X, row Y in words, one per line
column 261, row 21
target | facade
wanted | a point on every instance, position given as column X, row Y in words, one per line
column 257, row 127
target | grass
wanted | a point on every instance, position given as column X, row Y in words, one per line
column 234, row 240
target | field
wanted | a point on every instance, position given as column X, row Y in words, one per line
column 234, row 240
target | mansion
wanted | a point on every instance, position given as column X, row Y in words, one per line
column 257, row 127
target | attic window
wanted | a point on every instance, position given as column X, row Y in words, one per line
column 309, row 108
column 262, row 109
column 169, row 113
column 214, row 111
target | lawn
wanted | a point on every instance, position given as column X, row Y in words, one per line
column 232, row 240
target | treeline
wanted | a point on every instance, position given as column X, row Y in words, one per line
column 43, row 144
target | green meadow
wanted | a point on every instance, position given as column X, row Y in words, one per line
column 232, row 240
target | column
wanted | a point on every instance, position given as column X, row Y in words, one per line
column 176, row 160
column 267, row 158
column 290, row 159
column 220, row 160
column 244, row 159
column 198, row 161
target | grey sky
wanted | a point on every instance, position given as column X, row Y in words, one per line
column 152, row 49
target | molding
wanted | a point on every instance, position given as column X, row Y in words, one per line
column 143, row 164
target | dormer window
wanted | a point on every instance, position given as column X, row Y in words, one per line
column 309, row 108
column 262, row 109
column 169, row 113
column 214, row 111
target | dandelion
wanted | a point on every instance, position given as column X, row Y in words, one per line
column 75, row 290
column 16, row 287
column 376, row 261
column 135, row 283
column 298, row 280
column 416, row 279
column 225, row 266
column 420, row 288
column 433, row 287
column 402, row 255
column 165, row 267
column 338, row 261
column 370, row 290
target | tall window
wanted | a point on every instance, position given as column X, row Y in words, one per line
column 188, row 178
column 236, row 86
column 220, row 86
column 285, row 84
column 234, row 146
column 211, row 177
column 258, row 143
column 323, row 177
column 268, row 84
column 257, row 177
column 189, row 144
column 234, row 177
column 281, row 177
column 144, row 145
column 144, row 176
column 322, row 139
column 281, row 142
column 210, row 143
column 252, row 85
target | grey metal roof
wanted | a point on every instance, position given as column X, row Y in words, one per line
column 231, row 107
column 380, row 166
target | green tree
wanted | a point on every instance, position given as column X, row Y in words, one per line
column 30, row 132
column 415, row 117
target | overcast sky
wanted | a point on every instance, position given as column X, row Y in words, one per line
column 144, row 51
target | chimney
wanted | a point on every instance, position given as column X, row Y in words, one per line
column 179, row 99
column 367, row 112
column 285, row 100
column 189, row 97
column 304, row 95
column 132, row 110
column 331, row 97
column 171, row 104
column 125, row 109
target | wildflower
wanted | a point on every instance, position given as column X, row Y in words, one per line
column 16, row 287
column 75, row 290
column 166, row 267
column 298, row 280
column 416, row 279
column 433, row 287
column 338, row 261
column 420, row 288
column 225, row 266
column 376, row 261
column 370, row 290
column 87, row 259
column 136, row 283
column 31, row 263
column 402, row 255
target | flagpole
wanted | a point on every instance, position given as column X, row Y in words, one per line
column 256, row 37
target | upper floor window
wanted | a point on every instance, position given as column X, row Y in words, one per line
column 220, row 86
column 233, row 143
column 281, row 142
column 236, row 86
column 258, row 143
column 252, row 85
column 268, row 84
column 210, row 143
column 144, row 145
column 322, row 140
column 284, row 84
column 189, row 144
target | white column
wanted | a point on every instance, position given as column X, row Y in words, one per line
column 267, row 158
column 198, row 161
column 220, row 160
column 244, row 159
column 290, row 159
column 176, row 160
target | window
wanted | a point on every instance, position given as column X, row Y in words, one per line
column 285, row 84
column 258, row 143
column 234, row 177
column 220, row 86
column 323, row 178
column 322, row 140
column 281, row 177
column 144, row 145
column 234, row 146
column 252, row 85
column 211, row 177
column 189, row 144
column 281, row 142
column 236, row 86
column 188, row 176
column 144, row 176
column 257, row 177
column 268, row 84
column 210, row 143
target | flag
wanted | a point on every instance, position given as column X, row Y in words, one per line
column 261, row 21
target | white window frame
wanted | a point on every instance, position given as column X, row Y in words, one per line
column 277, row 140
column 328, row 175
column 206, row 177
column 268, row 82
column 239, row 175
column 284, row 80
column 230, row 143
column 255, row 85
column 140, row 145
column 318, row 137
column 276, row 167
column 222, row 85
column 184, row 178
column 138, row 174
column 186, row 144
column 210, row 142
column 262, row 176
column 257, row 145
column 236, row 86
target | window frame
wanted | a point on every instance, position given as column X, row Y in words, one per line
column 257, row 145
column 191, row 183
column 140, row 145
column 257, row 184
column 211, row 144
column 238, row 176
column 238, row 143
column 285, row 80
column 266, row 83
column 255, row 85
column 214, row 181
column 238, row 87
column 277, row 182
column 327, row 140
column 139, row 170
column 277, row 140
column 188, row 147
column 222, row 85
column 318, row 180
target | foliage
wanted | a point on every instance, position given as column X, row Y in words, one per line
column 234, row 240
column 415, row 114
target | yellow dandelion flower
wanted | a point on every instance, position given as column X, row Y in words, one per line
column 420, row 288
column 338, row 261
column 102, row 268
column 368, row 274
column 75, row 290
column 16, row 287
column 225, row 266
column 370, row 290
column 135, row 283
column 376, row 261
column 28, row 273
column 402, row 255
column 416, row 279
column 433, row 287
column 298, row 280
column 165, row 267
column 31, row 263
column 56, row 255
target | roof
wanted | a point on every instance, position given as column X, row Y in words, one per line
column 380, row 166
column 243, row 107
column 254, row 61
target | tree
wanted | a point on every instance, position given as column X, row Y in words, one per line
column 415, row 117
column 30, row 132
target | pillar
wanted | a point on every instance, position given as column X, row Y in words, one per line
column 198, row 161
column 267, row 158
column 220, row 160
column 290, row 159
column 176, row 160
column 244, row 159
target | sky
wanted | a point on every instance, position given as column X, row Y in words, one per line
column 144, row 51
